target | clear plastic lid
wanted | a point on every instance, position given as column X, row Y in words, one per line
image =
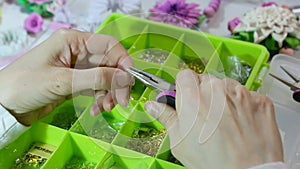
column 287, row 110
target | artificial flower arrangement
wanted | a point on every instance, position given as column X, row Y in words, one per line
column 37, row 6
column 54, row 10
column 273, row 26
column 100, row 9
column 40, row 14
column 182, row 13
column 176, row 12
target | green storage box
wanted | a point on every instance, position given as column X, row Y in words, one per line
column 130, row 137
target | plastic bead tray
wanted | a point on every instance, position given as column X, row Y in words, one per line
column 105, row 141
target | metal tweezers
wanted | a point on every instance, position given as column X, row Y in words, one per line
column 151, row 80
column 294, row 86
column 167, row 90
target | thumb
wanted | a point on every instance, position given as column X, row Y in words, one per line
column 100, row 78
column 164, row 113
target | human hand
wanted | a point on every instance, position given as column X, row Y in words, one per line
column 69, row 62
column 219, row 124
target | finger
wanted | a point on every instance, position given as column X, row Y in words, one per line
column 122, row 96
column 97, row 107
column 230, row 86
column 108, row 102
column 115, row 53
column 163, row 113
column 87, row 49
column 187, row 92
column 245, row 107
column 243, row 101
column 125, row 62
column 231, row 95
column 100, row 78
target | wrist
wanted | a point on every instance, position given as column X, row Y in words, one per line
column 5, row 97
column 21, row 118
column 4, row 91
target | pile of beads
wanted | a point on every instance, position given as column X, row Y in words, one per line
column 64, row 119
column 35, row 157
column 29, row 161
column 146, row 140
column 104, row 133
column 79, row 163
column 154, row 55
column 192, row 63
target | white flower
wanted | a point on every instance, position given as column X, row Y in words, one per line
column 13, row 41
column 270, row 20
column 100, row 9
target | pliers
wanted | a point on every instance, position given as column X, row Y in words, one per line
column 167, row 90
column 294, row 86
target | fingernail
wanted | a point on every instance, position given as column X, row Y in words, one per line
column 122, row 96
column 125, row 63
column 123, row 78
column 108, row 107
column 94, row 109
column 152, row 108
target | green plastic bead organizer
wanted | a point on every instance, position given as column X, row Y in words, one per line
column 104, row 141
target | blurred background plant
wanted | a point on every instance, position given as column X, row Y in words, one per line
column 182, row 13
column 37, row 6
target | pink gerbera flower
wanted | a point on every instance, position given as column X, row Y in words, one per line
column 176, row 12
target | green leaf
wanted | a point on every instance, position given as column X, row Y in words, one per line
column 292, row 41
column 247, row 36
column 21, row 2
column 45, row 13
column 237, row 37
column 36, row 8
column 201, row 19
column 271, row 44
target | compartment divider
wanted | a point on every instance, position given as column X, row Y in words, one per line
column 37, row 133
column 55, row 160
column 128, row 159
column 124, row 131
column 141, row 37
column 78, row 146
column 214, row 62
column 142, row 121
column 164, row 150
column 174, row 56
column 160, row 164
column 102, row 161
column 104, row 122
